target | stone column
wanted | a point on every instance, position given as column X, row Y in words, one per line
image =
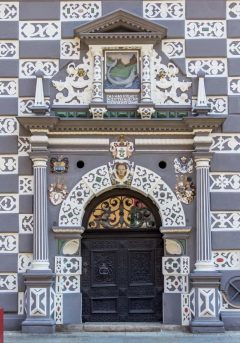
column 40, row 235
column 203, row 222
column 205, row 279
column 96, row 109
column 146, row 109
column 39, row 279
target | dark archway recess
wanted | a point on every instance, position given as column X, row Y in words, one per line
column 122, row 275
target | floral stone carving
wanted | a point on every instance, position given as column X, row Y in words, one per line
column 76, row 88
column 167, row 88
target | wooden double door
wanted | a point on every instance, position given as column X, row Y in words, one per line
column 122, row 276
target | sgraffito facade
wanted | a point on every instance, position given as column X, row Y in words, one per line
column 119, row 168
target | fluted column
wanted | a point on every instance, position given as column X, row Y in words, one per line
column 205, row 280
column 40, row 235
column 203, row 223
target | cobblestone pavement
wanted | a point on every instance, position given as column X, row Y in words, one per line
column 127, row 337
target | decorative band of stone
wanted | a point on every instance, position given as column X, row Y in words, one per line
column 62, row 229
column 180, row 229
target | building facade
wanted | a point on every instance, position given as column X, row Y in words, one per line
column 119, row 173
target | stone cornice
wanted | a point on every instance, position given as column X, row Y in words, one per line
column 71, row 125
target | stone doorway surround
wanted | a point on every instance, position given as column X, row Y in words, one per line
column 47, row 131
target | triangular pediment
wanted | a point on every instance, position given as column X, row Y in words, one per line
column 122, row 25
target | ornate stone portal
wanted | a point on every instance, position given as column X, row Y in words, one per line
column 143, row 80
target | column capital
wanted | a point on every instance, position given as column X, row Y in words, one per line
column 39, row 158
column 96, row 50
column 202, row 159
column 147, row 49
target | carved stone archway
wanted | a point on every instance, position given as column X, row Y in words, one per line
column 144, row 181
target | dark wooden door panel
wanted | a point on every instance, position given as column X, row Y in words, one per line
column 122, row 278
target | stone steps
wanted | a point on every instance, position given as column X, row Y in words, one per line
column 120, row 327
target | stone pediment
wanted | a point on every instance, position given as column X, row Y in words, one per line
column 121, row 25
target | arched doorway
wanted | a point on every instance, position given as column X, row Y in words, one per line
column 122, row 250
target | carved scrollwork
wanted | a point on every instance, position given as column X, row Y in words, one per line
column 76, row 88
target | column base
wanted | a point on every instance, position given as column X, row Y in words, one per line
column 206, row 302
column 39, row 302
column 203, row 266
column 207, row 326
column 38, row 326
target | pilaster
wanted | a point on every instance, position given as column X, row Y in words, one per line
column 39, row 278
column 205, row 280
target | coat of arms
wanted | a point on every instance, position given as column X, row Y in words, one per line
column 59, row 165
column 121, row 169
column 183, row 165
column 57, row 192
column 185, row 189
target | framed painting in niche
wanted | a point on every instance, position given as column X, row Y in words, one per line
column 122, row 71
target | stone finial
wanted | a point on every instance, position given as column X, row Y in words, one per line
column 202, row 106
column 39, row 106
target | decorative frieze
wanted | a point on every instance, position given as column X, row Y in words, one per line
column 8, row 164
column 233, row 85
column 170, row 10
column 68, row 283
column 9, row 11
column 8, row 49
column 176, row 265
column 188, row 307
column 70, row 49
column 58, row 308
column 226, row 259
column 200, row 29
column 26, row 185
column 225, row 182
column 226, row 143
column 8, row 88
column 8, row 282
column 233, row 48
column 24, row 146
column 8, row 126
column 9, row 203
column 213, row 67
column 27, row 68
column 80, row 10
column 39, row 30
column 219, row 104
column 68, row 265
column 233, row 9
column 8, row 243
column 24, row 262
column 175, row 284
column 225, row 220
column 25, row 223
column 25, row 104
column 173, row 48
